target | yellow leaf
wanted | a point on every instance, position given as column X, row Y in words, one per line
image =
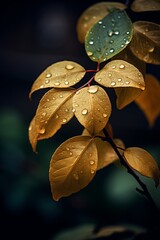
column 145, row 5
column 54, row 110
column 92, row 108
column 126, row 95
column 129, row 57
column 73, row 166
column 93, row 14
column 106, row 154
column 140, row 160
column 119, row 73
column 59, row 75
column 149, row 100
column 145, row 42
column 87, row 133
column 32, row 132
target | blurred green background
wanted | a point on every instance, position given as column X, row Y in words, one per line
column 35, row 34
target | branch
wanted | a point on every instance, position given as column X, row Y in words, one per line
column 143, row 191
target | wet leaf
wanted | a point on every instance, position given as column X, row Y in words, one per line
column 106, row 154
column 59, row 75
column 126, row 95
column 92, row 108
column 119, row 73
column 73, row 166
column 108, row 36
column 141, row 160
column 145, row 5
column 145, row 42
column 93, row 14
column 149, row 100
column 87, row 133
column 54, row 110
column 32, row 132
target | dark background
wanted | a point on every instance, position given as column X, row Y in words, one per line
column 35, row 34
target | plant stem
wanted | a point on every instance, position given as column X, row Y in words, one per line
column 143, row 191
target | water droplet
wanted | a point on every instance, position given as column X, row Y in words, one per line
column 66, row 110
column 119, row 79
column 77, row 92
column 105, row 115
column 61, row 96
column 48, row 75
column 99, row 79
column 42, row 86
column 73, row 110
column 110, row 33
column 113, row 66
column 66, row 82
column 90, row 53
column 92, row 162
column 47, row 81
column 84, row 111
column 116, row 32
column 111, row 41
column 151, row 49
column 30, row 128
column 47, row 100
column 64, row 120
column 44, row 114
column 92, row 172
column 127, row 42
column 67, row 148
column 76, row 105
column 91, row 42
column 113, row 83
column 111, row 50
column 57, row 83
column 121, row 66
column 127, row 82
column 109, row 74
column 93, row 89
column 57, row 116
column 122, row 45
column 104, row 26
column 127, row 33
column 119, row 16
column 76, row 177
column 70, row 153
column 69, row 66
column 42, row 131
column 100, row 22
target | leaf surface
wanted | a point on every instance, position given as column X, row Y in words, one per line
column 149, row 100
column 73, row 166
column 54, row 110
column 119, row 73
column 106, row 154
column 145, row 5
column 59, row 75
column 140, row 160
column 108, row 36
column 145, row 42
column 93, row 14
column 92, row 108
column 33, row 135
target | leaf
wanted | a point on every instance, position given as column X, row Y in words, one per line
column 108, row 36
column 126, row 95
column 87, row 133
column 145, row 5
column 145, row 42
column 73, row 166
column 106, row 154
column 140, row 160
column 32, row 132
column 59, row 75
column 119, row 73
column 92, row 108
column 93, row 14
column 149, row 100
column 54, row 110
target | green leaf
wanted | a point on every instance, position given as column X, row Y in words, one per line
column 109, row 36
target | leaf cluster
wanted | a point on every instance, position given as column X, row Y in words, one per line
column 124, row 48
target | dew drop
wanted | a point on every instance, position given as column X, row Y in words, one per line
column 66, row 82
column 47, row 100
column 84, row 111
column 90, row 53
column 57, row 83
column 69, row 66
column 42, row 131
column 119, row 79
column 111, row 41
column 100, row 22
column 121, row 66
column 104, row 26
column 92, row 162
column 47, row 81
column 127, row 33
column 57, row 116
column 91, row 42
column 99, row 79
column 92, row 171
column 30, row 128
column 127, row 42
column 122, row 45
column 113, row 83
column 76, row 177
column 44, row 114
column 70, row 153
column 110, row 33
column 64, row 120
column 66, row 110
column 113, row 66
column 116, row 32
column 61, row 96
column 127, row 82
column 42, row 86
column 76, row 105
column 111, row 50
column 67, row 148
column 73, row 110
column 151, row 49
column 93, row 89
column 109, row 74
column 48, row 75
column 105, row 115
column 77, row 92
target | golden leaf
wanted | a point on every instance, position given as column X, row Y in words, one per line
column 129, row 57
column 106, row 154
column 73, row 166
column 93, row 14
column 54, row 110
column 141, row 161
column 126, row 95
column 92, row 108
column 145, row 42
column 32, row 132
column 87, row 133
column 119, row 73
column 149, row 100
column 145, row 5
column 59, row 75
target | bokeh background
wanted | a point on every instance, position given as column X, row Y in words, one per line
column 35, row 34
